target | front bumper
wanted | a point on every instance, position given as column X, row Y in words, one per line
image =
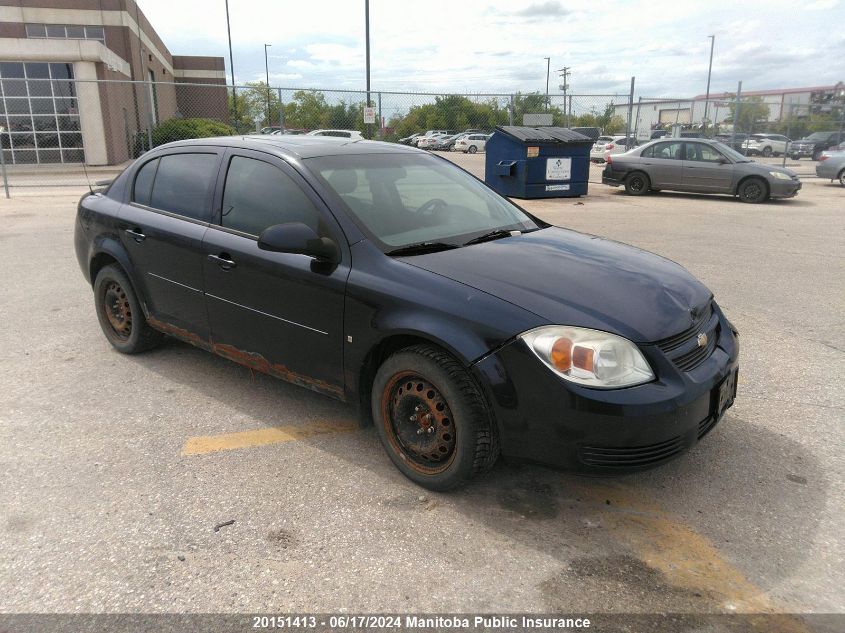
column 544, row 419
column 801, row 150
column 784, row 188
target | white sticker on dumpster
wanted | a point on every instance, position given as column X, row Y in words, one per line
column 557, row 187
column 558, row 168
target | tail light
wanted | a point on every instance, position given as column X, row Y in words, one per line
column 609, row 146
column 609, row 160
column 823, row 157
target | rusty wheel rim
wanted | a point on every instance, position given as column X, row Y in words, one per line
column 419, row 423
column 117, row 310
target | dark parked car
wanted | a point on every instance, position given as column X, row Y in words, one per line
column 378, row 274
column 812, row 146
column 700, row 166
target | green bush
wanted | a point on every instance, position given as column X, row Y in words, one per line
column 180, row 129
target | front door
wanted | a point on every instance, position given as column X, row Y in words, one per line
column 162, row 227
column 706, row 169
column 276, row 312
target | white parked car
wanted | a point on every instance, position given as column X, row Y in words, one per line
column 428, row 134
column 353, row 135
column 430, row 142
column 608, row 145
column 471, row 143
column 765, row 144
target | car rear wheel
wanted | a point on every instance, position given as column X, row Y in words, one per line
column 753, row 190
column 794, row 157
column 637, row 184
column 472, row 149
column 842, row 177
column 767, row 151
column 119, row 313
column 431, row 418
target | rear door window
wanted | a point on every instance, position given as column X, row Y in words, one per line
column 670, row 150
column 143, row 188
column 182, row 184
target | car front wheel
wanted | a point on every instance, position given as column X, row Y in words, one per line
column 637, row 184
column 842, row 177
column 767, row 151
column 753, row 190
column 120, row 314
column 431, row 418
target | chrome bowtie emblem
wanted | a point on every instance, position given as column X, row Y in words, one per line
column 701, row 339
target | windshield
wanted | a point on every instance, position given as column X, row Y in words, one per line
column 402, row 199
column 734, row 155
column 818, row 136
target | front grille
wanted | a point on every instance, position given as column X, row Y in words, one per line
column 706, row 425
column 630, row 456
column 683, row 349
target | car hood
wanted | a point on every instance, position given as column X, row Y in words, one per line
column 763, row 169
column 571, row 278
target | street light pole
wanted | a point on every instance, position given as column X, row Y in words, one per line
column 367, row 44
column 548, row 65
column 709, row 70
column 232, row 68
column 267, row 76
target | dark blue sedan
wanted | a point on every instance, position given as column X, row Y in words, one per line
column 464, row 327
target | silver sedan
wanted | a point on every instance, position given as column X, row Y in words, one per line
column 699, row 166
column 832, row 167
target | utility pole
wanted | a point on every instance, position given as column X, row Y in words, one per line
column 564, row 73
column 267, row 76
column 736, row 114
column 367, row 38
column 232, row 68
column 548, row 66
column 709, row 71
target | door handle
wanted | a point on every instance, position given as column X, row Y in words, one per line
column 223, row 260
column 136, row 234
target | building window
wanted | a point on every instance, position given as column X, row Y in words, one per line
column 153, row 96
column 40, row 113
column 66, row 32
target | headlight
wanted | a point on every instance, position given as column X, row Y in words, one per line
column 589, row 357
column 779, row 175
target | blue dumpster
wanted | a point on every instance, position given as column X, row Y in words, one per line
column 537, row 162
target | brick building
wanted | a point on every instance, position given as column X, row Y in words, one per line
column 53, row 110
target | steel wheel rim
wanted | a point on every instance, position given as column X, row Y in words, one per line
column 117, row 310
column 418, row 423
column 842, row 179
column 637, row 183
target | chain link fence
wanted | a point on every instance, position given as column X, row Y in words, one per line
column 57, row 130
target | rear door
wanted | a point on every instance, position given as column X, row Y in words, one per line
column 162, row 227
column 664, row 165
column 278, row 312
column 706, row 169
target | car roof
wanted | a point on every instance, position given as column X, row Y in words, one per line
column 298, row 145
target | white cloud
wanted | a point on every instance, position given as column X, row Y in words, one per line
column 482, row 46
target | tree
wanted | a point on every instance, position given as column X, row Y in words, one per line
column 752, row 112
column 251, row 104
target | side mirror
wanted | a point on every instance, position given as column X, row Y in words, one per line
column 299, row 239
column 723, row 161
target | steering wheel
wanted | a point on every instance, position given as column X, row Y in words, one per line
column 432, row 207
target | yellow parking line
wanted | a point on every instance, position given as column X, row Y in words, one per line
column 686, row 559
column 261, row 437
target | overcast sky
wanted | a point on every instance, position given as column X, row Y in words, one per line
column 484, row 46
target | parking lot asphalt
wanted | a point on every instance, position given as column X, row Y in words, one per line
column 177, row 481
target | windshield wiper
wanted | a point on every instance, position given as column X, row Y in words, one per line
column 496, row 234
column 422, row 247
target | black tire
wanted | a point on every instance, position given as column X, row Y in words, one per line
column 753, row 190
column 472, row 149
column 767, row 151
column 841, row 177
column 119, row 313
column 637, row 184
column 794, row 157
column 443, row 397
column 817, row 155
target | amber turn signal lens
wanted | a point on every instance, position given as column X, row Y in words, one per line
column 561, row 355
column 582, row 358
